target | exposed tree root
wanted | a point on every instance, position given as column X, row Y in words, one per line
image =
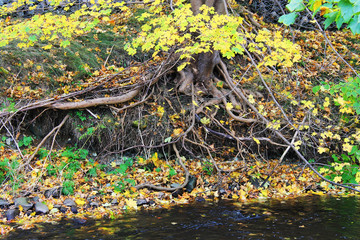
column 96, row 102
column 278, row 133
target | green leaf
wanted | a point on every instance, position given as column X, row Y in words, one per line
column 65, row 43
column 288, row 19
column 330, row 18
column 346, row 9
column 316, row 89
column 33, row 38
column 205, row 121
column 354, row 25
column 295, row 5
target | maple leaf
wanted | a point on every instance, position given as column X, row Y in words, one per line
column 80, row 201
column 251, row 99
column 131, row 203
column 177, row 132
column 229, row 106
column 347, row 147
column 337, row 179
column 322, row 150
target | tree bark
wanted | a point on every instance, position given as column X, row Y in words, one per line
column 202, row 67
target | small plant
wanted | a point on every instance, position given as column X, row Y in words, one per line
column 121, row 185
column 172, row 172
column 80, row 115
column 208, row 168
column 68, row 187
column 70, row 167
column 4, row 168
column 10, row 107
column 26, row 141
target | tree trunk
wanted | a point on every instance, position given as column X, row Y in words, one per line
column 200, row 71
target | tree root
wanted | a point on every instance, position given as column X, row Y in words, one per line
column 186, row 80
column 277, row 133
column 96, row 102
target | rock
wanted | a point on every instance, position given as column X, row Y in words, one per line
column 222, row 191
column 74, row 209
column 41, row 208
column 12, row 213
column 69, row 202
column 175, row 185
column 63, row 209
column 4, row 204
column 177, row 193
column 199, row 199
column 34, row 199
column 80, row 221
column 54, row 210
column 141, row 201
column 191, row 183
column 53, row 192
column 22, row 201
column 161, row 195
column 94, row 204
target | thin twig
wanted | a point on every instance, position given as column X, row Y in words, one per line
column 43, row 141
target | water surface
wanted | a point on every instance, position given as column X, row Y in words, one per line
column 311, row 217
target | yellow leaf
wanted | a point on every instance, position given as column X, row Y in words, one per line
column 251, row 99
column 47, row 47
column 131, row 203
column 229, row 106
column 113, row 164
column 337, row 179
column 177, row 132
column 257, row 141
column 322, row 150
column 141, row 160
column 80, row 201
column 347, row 147
column 155, row 160
column 160, row 111
column 340, row 101
column 50, row 206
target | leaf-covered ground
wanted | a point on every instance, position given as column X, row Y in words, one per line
column 105, row 191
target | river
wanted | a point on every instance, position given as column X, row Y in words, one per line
column 310, row 217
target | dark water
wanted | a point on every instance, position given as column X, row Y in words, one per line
column 310, row 217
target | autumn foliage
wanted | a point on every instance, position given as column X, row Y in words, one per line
column 275, row 116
